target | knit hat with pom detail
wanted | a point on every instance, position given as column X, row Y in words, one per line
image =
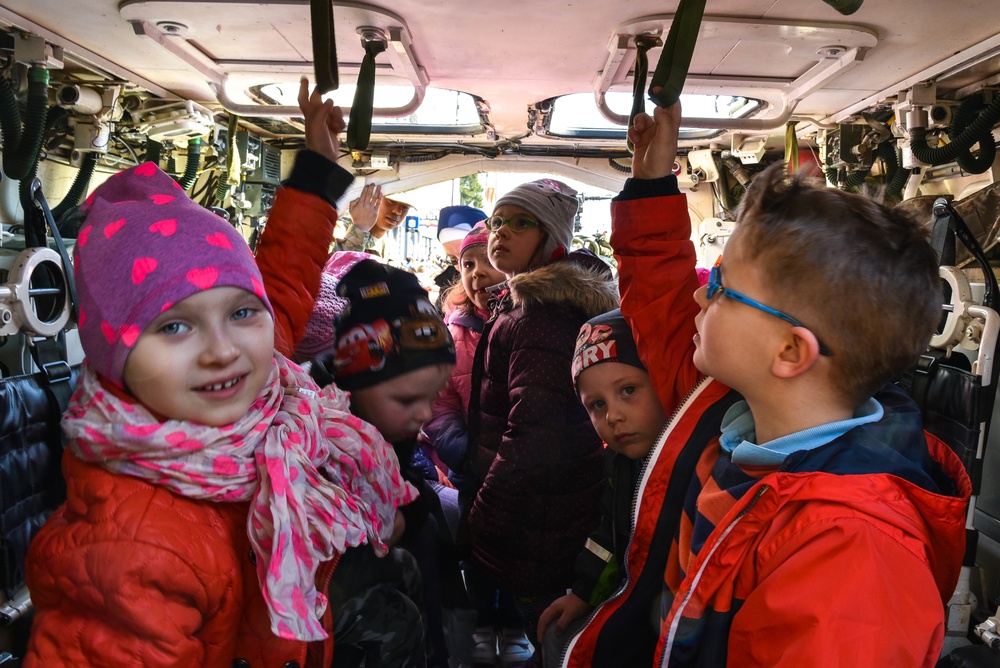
column 554, row 205
column 143, row 247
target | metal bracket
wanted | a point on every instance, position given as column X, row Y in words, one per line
column 16, row 607
column 18, row 296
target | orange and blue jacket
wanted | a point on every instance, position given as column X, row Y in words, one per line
column 845, row 554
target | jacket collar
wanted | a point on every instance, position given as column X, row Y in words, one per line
column 894, row 445
column 580, row 280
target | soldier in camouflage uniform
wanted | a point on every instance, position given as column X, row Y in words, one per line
column 372, row 216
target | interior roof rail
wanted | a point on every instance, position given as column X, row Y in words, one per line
column 292, row 111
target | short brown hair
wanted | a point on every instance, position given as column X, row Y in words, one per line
column 865, row 276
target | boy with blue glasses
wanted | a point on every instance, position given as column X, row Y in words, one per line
column 816, row 523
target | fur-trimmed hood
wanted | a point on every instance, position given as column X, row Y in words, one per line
column 580, row 279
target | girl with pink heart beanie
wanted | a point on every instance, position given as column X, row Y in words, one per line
column 211, row 485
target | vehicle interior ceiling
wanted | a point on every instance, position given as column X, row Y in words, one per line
column 799, row 60
column 896, row 99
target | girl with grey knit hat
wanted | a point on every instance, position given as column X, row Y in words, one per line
column 533, row 449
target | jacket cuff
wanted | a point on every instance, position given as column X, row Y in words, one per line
column 318, row 175
column 584, row 588
column 642, row 188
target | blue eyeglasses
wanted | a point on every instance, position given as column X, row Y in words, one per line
column 714, row 288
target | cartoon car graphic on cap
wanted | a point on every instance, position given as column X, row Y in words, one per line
column 363, row 348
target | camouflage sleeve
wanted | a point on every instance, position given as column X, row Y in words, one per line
column 355, row 240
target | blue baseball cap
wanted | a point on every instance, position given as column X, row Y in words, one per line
column 454, row 222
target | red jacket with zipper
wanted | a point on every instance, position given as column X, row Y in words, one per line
column 844, row 556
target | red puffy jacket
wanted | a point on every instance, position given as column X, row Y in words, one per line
column 126, row 573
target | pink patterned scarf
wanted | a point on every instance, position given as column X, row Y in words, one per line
column 319, row 479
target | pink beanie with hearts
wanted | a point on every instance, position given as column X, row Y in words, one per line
column 145, row 246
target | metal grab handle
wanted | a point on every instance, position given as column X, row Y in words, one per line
column 16, row 607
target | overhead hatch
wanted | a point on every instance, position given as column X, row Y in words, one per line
column 212, row 38
column 789, row 61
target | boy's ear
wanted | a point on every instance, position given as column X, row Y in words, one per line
column 798, row 353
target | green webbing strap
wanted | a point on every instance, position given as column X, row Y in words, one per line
column 359, row 125
column 324, row 45
column 233, row 163
column 643, row 44
column 672, row 68
column 791, row 147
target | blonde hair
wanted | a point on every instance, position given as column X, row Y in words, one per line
column 455, row 298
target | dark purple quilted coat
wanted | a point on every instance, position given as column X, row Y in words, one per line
column 537, row 455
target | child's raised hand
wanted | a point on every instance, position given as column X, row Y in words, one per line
column 654, row 139
column 324, row 122
column 364, row 210
column 564, row 611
